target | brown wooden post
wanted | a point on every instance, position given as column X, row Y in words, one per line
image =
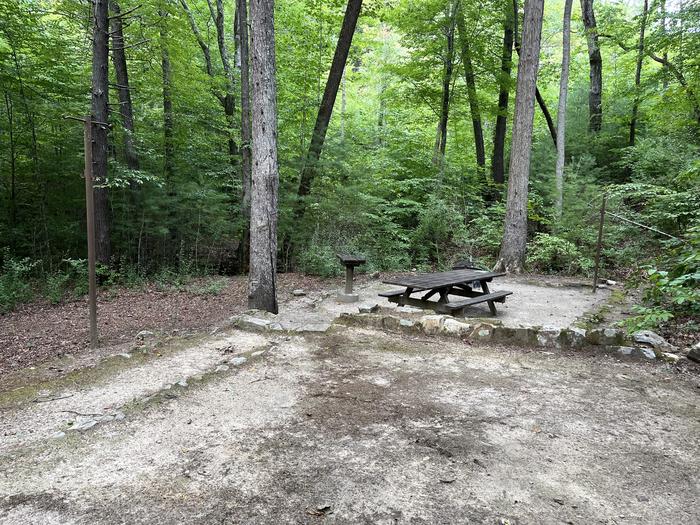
column 349, row 271
column 599, row 244
column 90, row 212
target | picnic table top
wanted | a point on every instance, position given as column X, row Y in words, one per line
column 428, row 281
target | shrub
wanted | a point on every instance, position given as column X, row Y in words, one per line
column 552, row 254
column 15, row 287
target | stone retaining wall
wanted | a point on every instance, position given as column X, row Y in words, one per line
column 493, row 331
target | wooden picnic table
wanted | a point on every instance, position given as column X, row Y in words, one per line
column 461, row 283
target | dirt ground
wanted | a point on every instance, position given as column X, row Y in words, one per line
column 353, row 426
column 39, row 331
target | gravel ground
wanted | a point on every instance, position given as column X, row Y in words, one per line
column 354, row 426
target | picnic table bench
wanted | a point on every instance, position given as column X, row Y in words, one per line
column 458, row 283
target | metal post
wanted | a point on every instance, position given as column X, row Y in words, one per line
column 90, row 211
column 599, row 244
column 349, row 270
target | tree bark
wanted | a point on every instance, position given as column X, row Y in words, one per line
column 638, row 75
column 561, row 111
column 499, row 135
column 168, row 120
column 226, row 99
column 121, row 75
column 538, row 96
column 13, row 162
column 514, row 244
column 100, row 92
column 246, row 129
column 470, row 80
column 262, row 282
column 330, row 93
column 595, row 61
column 449, row 58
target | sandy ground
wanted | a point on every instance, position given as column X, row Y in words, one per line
column 353, row 426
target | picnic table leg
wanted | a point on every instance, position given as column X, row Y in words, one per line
column 406, row 295
column 492, row 305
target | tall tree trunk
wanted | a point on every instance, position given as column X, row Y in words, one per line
column 227, row 99
column 330, row 93
column 538, row 96
column 262, row 282
column 499, row 135
column 246, row 130
column 168, row 120
column 100, row 146
column 561, row 111
column 638, row 74
column 121, row 75
column 595, row 61
column 514, row 244
column 470, row 80
column 449, row 58
column 13, row 163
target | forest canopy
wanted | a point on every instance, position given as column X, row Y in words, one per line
column 413, row 171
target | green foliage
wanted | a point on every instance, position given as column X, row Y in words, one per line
column 440, row 235
column 552, row 254
column 15, row 285
column 674, row 292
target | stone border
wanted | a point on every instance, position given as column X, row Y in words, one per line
column 610, row 339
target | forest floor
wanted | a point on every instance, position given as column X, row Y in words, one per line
column 351, row 426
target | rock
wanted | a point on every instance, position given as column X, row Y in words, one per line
column 483, row 331
column 374, row 275
column 653, row 340
column 145, row 334
column 610, row 282
column 431, row 323
column 390, row 322
column 85, row 424
column 549, row 337
column 182, row 383
column 455, row 327
column 605, row 337
column 222, row 368
column 694, row 354
column 635, row 351
column 247, row 322
column 369, row 309
column 572, row 337
column 298, row 293
column 238, row 361
column 671, row 358
column 408, row 310
column 407, row 324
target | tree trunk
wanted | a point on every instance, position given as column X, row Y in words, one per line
column 538, row 96
column 513, row 246
column 13, row 163
column 441, row 140
column 100, row 87
column 638, row 74
column 262, row 283
column 470, row 80
column 499, row 135
column 226, row 99
column 246, row 131
column 595, row 95
column 168, row 121
column 121, row 75
column 330, row 93
column 561, row 111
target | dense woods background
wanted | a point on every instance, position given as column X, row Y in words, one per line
column 413, row 171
